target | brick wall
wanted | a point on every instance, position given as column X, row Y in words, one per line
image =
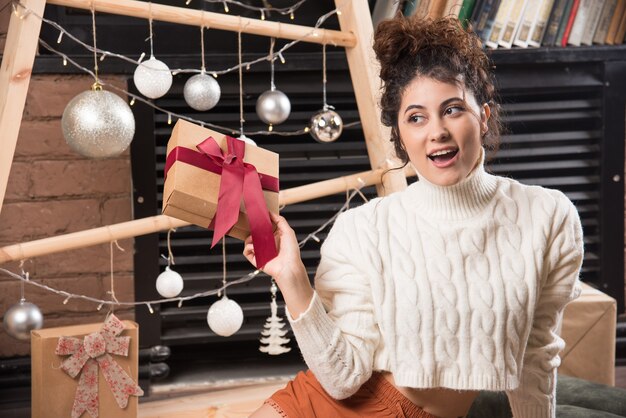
column 53, row 191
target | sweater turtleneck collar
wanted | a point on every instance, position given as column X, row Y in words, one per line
column 459, row 201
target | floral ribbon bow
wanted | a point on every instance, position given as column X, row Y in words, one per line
column 240, row 179
column 87, row 356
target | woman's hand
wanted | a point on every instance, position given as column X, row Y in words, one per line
column 287, row 267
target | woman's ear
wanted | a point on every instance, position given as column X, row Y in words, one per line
column 485, row 113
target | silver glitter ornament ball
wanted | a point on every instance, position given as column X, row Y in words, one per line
column 21, row 318
column 273, row 107
column 153, row 78
column 98, row 124
column 326, row 126
column 202, row 92
column 225, row 317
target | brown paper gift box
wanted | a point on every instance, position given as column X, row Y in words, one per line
column 190, row 193
column 53, row 389
column 589, row 333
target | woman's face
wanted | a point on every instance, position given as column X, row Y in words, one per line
column 441, row 125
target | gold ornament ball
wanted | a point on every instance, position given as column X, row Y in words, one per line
column 326, row 126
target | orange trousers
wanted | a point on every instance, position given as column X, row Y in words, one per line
column 304, row 397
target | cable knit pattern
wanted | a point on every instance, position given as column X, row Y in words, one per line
column 460, row 287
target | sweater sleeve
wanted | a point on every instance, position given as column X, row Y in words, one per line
column 338, row 333
column 536, row 395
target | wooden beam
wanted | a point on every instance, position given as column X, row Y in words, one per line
column 17, row 65
column 222, row 21
column 130, row 229
column 355, row 17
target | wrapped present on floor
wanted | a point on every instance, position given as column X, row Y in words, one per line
column 589, row 333
column 222, row 183
column 85, row 370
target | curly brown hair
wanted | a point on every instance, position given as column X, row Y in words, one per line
column 442, row 49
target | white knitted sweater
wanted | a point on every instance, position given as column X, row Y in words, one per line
column 460, row 287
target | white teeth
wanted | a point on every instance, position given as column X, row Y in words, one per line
column 443, row 152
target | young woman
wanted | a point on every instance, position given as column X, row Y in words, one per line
column 455, row 285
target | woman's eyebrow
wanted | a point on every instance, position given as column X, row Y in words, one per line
column 443, row 104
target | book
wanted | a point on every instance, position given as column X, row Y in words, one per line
column 422, row 8
column 541, row 23
column 466, row 11
column 409, row 7
column 384, row 9
column 570, row 22
column 437, row 8
column 592, row 21
column 485, row 19
column 556, row 16
column 502, row 17
column 528, row 18
column 580, row 21
column 476, row 11
column 513, row 23
column 564, row 21
column 605, row 20
column 615, row 21
column 621, row 31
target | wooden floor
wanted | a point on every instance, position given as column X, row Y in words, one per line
column 239, row 402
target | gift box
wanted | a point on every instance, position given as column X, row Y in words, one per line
column 589, row 333
column 54, row 390
column 192, row 181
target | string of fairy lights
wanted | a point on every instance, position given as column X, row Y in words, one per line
column 171, row 115
column 111, row 132
column 31, row 317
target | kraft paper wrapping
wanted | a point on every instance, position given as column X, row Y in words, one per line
column 589, row 332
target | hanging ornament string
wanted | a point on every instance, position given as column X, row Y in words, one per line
column 170, row 255
column 272, row 59
column 150, row 29
column 97, row 85
column 203, row 68
column 219, row 294
column 112, row 291
column 324, row 77
column 241, row 119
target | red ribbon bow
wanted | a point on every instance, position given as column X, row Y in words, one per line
column 88, row 355
column 240, row 179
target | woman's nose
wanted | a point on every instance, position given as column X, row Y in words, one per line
column 438, row 132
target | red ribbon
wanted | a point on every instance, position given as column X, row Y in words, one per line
column 238, row 179
column 93, row 353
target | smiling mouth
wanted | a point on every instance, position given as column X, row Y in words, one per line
column 443, row 156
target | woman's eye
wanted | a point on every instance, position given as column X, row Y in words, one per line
column 453, row 109
column 416, row 118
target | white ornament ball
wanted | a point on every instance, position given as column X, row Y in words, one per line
column 153, row 78
column 169, row 284
column 21, row 318
column 225, row 317
column 326, row 126
column 273, row 107
column 202, row 92
column 98, row 124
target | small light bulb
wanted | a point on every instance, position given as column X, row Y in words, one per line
column 338, row 12
column 132, row 101
column 100, row 306
column 306, row 129
column 270, row 128
column 60, row 38
column 214, row 74
column 180, row 303
column 315, row 238
column 291, row 16
column 150, row 308
column 141, row 57
column 64, row 61
column 169, row 118
column 102, row 57
column 262, row 15
column 248, row 67
column 187, row 2
column 226, row 7
column 282, row 59
column 67, row 299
